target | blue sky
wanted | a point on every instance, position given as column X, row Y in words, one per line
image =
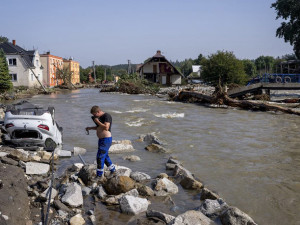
column 113, row 31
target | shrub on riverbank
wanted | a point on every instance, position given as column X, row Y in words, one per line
column 140, row 86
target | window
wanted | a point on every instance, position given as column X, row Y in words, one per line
column 14, row 77
column 12, row 62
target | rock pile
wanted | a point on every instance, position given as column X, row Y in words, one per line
column 129, row 192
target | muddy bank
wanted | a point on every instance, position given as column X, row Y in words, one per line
column 126, row 197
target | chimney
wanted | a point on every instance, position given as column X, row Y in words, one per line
column 14, row 42
column 158, row 52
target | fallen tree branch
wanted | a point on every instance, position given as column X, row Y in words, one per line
column 222, row 98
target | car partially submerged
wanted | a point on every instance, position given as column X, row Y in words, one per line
column 28, row 125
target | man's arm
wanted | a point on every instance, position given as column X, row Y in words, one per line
column 104, row 126
column 90, row 128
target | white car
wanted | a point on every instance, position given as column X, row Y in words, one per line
column 28, row 125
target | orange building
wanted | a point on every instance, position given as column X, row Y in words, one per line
column 51, row 63
column 73, row 67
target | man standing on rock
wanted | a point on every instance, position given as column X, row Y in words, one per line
column 103, row 123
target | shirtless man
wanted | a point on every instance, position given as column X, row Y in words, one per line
column 103, row 123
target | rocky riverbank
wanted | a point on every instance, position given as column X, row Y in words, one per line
column 26, row 181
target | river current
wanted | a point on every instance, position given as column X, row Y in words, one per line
column 251, row 159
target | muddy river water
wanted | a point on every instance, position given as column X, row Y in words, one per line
column 251, row 159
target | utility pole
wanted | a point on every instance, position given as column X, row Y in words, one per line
column 94, row 72
column 129, row 67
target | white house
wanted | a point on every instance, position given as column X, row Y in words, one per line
column 159, row 70
column 24, row 66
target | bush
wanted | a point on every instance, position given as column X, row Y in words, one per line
column 5, row 79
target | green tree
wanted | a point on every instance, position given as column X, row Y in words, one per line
column 199, row 59
column 265, row 64
column 5, row 79
column 250, row 68
column 224, row 67
column 84, row 74
column 186, row 67
column 289, row 10
column 3, row 39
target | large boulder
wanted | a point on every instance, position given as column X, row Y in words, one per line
column 164, row 186
column 133, row 205
column 87, row 173
column 191, row 217
column 139, row 176
column 119, row 184
column 73, row 196
column 234, row 216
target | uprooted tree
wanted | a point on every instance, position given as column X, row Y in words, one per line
column 66, row 75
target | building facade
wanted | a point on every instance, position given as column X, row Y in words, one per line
column 52, row 64
column 74, row 68
column 24, row 66
column 159, row 70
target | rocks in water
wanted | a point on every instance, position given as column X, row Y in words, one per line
column 213, row 208
column 87, row 173
column 101, row 192
column 191, row 183
column 86, row 191
column 133, row 205
column 114, row 200
column 118, row 185
column 132, row 158
column 234, row 216
column 191, row 217
column 122, row 171
column 77, row 220
column 73, row 196
column 208, row 194
column 139, row 176
column 145, row 190
column 37, row 168
column 78, row 150
column 150, row 138
column 171, row 163
column 182, row 172
column 121, row 148
column 162, row 216
column 156, row 148
column 164, row 186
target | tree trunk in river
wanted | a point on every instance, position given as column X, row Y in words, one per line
column 220, row 97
